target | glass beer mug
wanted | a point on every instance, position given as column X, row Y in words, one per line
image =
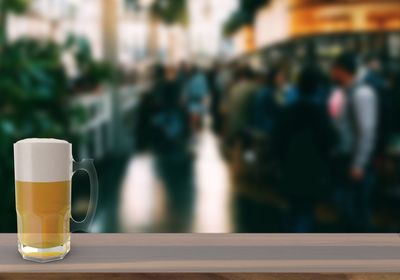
column 43, row 173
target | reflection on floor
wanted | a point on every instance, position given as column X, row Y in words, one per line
column 213, row 188
column 177, row 192
column 141, row 195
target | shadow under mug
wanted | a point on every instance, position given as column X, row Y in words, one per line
column 43, row 173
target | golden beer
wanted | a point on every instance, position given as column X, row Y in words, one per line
column 43, row 213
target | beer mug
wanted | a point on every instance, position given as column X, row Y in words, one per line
column 43, row 173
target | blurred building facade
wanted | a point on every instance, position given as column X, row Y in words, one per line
column 310, row 17
column 58, row 19
column 289, row 19
column 200, row 37
column 205, row 26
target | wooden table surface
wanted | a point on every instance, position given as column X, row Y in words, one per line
column 216, row 253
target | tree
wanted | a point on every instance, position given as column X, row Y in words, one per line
column 238, row 19
column 170, row 11
column 167, row 11
column 6, row 7
column 251, row 6
column 244, row 15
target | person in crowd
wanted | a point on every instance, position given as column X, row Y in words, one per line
column 184, row 70
column 372, row 74
column 271, row 99
column 170, row 97
column 215, row 96
column 173, row 164
column 162, row 119
column 357, row 127
column 225, row 77
column 225, row 81
column 303, row 141
column 196, row 97
column 143, row 129
column 239, row 103
column 171, row 120
column 238, row 106
column 336, row 103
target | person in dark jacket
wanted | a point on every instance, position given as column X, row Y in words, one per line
column 148, row 105
column 271, row 99
column 303, row 140
column 162, row 119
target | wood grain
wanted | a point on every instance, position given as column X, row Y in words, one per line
column 216, row 253
column 199, row 276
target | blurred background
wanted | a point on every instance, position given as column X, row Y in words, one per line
column 211, row 116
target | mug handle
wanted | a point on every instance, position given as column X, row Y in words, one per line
column 88, row 166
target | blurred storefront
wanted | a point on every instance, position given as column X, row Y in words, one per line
column 313, row 17
column 282, row 21
column 244, row 40
column 275, row 18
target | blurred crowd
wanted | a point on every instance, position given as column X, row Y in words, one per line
column 312, row 135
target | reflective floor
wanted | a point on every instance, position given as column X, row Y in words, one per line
column 172, row 192
column 197, row 190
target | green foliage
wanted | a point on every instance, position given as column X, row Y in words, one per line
column 33, row 86
column 13, row 6
column 10, row 6
column 33, row 91
column 170, row 11
column 251, row 6
column 236, row 21
column 91, row 73
column 244, row 15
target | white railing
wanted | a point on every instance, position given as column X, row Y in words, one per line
column 97, row 131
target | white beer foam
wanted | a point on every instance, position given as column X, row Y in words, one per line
column 42, row 160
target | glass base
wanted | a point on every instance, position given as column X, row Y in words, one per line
column 43, row 255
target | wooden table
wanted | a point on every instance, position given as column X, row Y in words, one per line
column 215, row 256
